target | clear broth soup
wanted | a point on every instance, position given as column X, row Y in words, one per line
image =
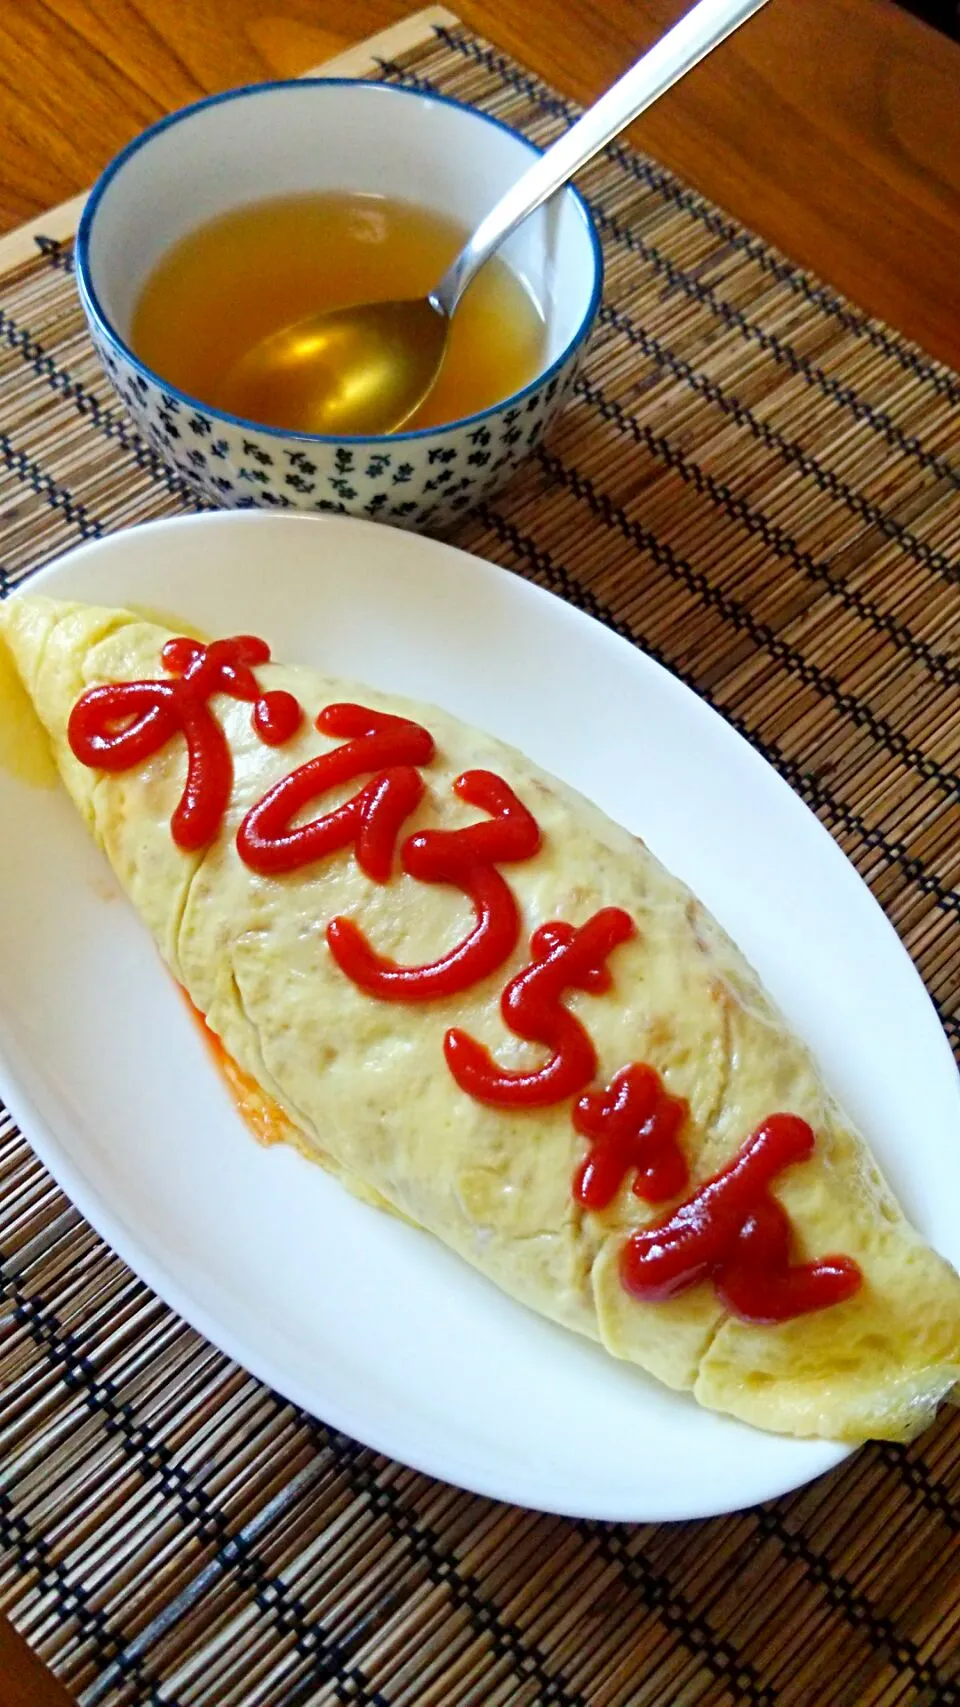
column 252, row 271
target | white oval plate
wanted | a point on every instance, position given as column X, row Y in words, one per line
column 363, row 1321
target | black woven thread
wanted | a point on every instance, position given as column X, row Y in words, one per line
column 862, row 411
column 34, row 1559
column 265, row 1520
column 111, row 425
column 693, row 288
column 670, row 188
column 506, row 1639
column 57, row 252
column 843, row 1597
column 743, row 621
column 930, row 1492
column 107, row 421
column 722, row 1659
column 675, row 1611
column 782, row 544
column 826, row 481
column 43, row 484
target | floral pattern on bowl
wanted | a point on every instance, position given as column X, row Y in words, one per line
column 235, row 465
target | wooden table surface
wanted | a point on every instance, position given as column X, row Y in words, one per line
column 832, row 127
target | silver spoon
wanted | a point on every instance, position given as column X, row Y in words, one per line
column 367, row 369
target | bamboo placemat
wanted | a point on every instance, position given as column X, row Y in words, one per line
column 759, row 485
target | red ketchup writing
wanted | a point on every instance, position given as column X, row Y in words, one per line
column 466, row 858
column 633, row 1125
column 277, row 716
column 268, row 840
column 736, row 1234
column 120, row 724
column 732, row 1232
column 565, row 957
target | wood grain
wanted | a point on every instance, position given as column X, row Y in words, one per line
column 832, row 126
column 24, row 1682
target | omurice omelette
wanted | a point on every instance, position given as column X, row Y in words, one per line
column 488, row 1009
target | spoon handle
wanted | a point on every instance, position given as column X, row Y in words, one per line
column 690, row 40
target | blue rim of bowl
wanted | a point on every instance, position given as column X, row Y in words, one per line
column 91, row 301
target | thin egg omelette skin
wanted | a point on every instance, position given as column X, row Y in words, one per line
column 366, row 1085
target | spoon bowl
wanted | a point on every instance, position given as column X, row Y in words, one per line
column 354, row 370
column 368, row 368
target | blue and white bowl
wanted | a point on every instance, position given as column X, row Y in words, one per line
column 324, row 134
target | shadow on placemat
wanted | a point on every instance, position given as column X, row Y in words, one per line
column 759, row 485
